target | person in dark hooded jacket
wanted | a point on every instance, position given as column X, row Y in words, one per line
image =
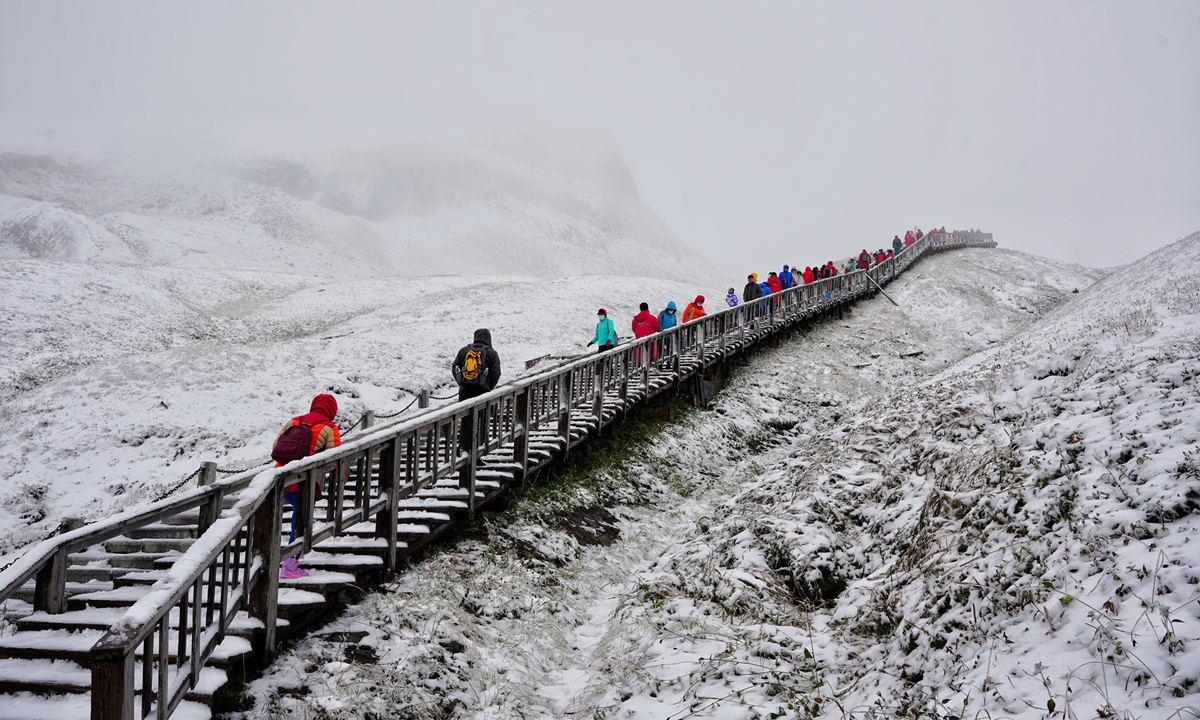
column 476, row 368
column 897, row 244
column 752, row 290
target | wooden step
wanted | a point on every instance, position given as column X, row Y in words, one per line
column 127, row 545
column 50, row 644
column 162, row 531
column 119, row 597
column 137, row 560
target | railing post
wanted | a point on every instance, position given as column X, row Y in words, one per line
column 521, row 438
column 49, row 593
column 625, row 361
column 423, row 399
column 565, row 383
column 700, row 343
column 466, row 475
column 598, row 400
column 389, row 487
column 208, row 474
column 264, row 598
column 112, row 684
column 368, row 419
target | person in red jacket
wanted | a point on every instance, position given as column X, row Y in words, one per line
column 774, row 283
column 864, row 260
column 694, row 310
column 908, row 238
column 644, row 324
column 808, row 275
column 325, row 435
column 880, row 256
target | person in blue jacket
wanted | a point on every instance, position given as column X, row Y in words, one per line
column 606, row 335
column 668, row 319
column 786, row 277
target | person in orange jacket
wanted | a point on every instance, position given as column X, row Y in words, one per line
column 694, row 310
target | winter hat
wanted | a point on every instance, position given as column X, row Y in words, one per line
column 603, row 312
column 699, row 299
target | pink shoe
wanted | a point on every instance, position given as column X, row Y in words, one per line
column 291, row 570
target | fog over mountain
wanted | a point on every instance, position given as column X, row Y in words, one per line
column 526, row 205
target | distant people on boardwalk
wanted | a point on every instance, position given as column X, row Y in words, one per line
column 731, row 298
column 694, row 310
column 302, row 436
column 606, row 335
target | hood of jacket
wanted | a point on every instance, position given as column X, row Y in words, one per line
column 699, row 300
column 483, row 336
column 323, row 409
column 671, row 305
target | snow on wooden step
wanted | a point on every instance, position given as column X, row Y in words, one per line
column 429, row 503
column 130, row 594
column 404, row 514
column 232, row 646
column 294, row 597
column 47, row 642
column 27, row 706
column 318, row 559
column 411, row 529
column 352, row 541
column 58, row 672
column 96, row 618
column 321, row 577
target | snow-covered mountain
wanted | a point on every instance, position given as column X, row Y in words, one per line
column 519, row 208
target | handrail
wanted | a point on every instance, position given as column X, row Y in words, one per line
column 233, row 563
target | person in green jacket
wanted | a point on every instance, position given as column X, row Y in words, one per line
column 606, row 334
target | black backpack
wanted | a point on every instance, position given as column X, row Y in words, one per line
column 293, row 444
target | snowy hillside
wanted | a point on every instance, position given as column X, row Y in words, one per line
column 119, row 383
column 408, row 210
column 996, row 524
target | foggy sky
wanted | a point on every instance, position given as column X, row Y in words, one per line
column 761, row 133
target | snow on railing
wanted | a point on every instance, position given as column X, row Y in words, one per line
column 233, row 565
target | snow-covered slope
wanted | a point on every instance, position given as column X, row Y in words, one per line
column 120, row 379
column 411, row 209
column 787, row 555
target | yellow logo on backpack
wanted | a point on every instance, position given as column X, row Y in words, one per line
column 472, row 367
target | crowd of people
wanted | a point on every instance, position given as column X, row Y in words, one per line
column 476, row 367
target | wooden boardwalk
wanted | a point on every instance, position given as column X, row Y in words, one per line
column 145, row 614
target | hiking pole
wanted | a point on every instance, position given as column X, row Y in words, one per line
column 889, row 297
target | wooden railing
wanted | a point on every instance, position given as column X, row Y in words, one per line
column 234, row 563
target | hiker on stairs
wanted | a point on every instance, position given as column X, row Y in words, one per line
column 606, row 335
column 302, row 436
column 476, row 368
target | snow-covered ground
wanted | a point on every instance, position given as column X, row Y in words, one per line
column 999, row 526
column 120, row 380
